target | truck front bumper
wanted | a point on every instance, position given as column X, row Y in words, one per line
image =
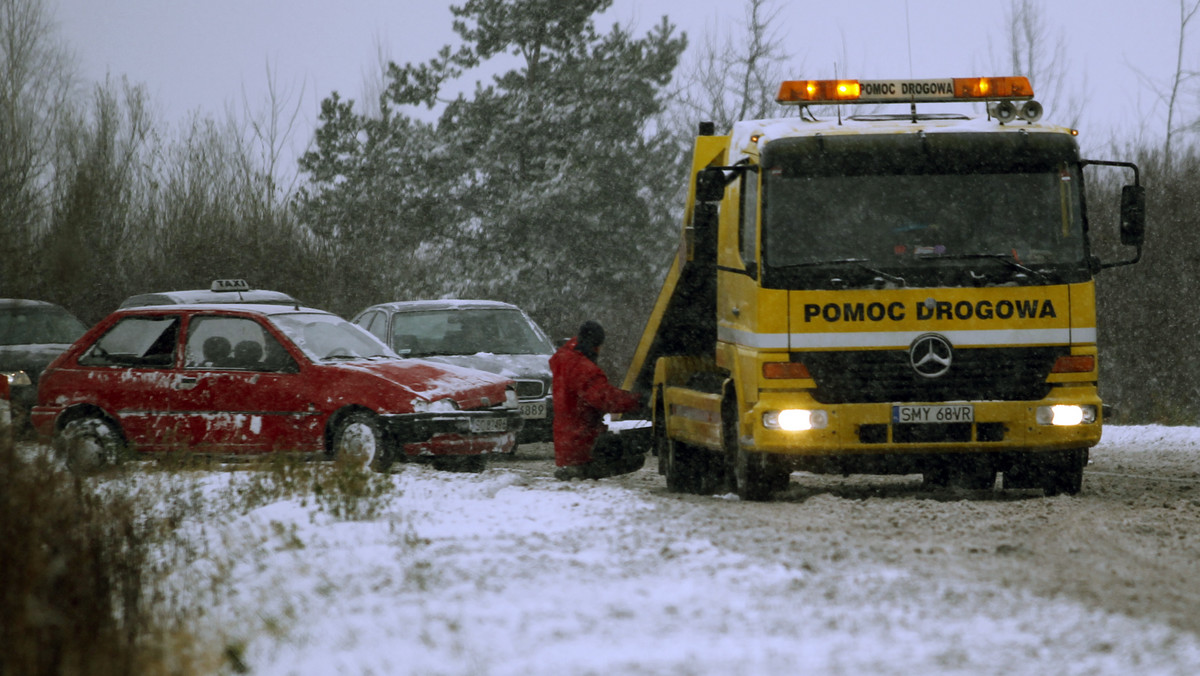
column 872, row 429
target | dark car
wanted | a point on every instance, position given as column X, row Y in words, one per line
column 482, row 334
column 244, row 379
column 221, row 291
column 32, row 334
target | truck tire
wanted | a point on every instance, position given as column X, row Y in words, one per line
column 754, row 476
column 684, row 467
column 968, row 471
column 757, row 477
column 1064, row 472
column 1054, row 472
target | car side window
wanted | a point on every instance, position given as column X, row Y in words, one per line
column 376, row 323
column 138, row 342
column 234, row 343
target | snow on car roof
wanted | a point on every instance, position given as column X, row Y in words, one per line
column 257, row 308
column 446, row 304
column 208, row 296
column 9, row 303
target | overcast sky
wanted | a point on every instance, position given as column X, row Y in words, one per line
column 209, row 54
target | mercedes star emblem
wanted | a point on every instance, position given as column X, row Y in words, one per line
column 931, row 355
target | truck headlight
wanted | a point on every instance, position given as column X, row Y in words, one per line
column 795, row 420
column 1066, row 415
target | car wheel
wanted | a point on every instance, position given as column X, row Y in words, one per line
column 358, row 440
column 89, row 444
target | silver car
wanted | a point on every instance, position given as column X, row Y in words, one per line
column 483, row 334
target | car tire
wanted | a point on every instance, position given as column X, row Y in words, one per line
column 87, row 445
column 359, row 440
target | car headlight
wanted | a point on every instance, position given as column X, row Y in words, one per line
column 795, row 420
column 1066, row 415
column 440, row 406
column 510, row 398
column 17, row 377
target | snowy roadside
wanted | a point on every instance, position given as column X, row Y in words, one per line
column 511, row 572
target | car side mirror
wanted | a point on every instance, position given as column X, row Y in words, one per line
column 1133, row 215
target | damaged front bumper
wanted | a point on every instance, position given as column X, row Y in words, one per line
column 453, row 432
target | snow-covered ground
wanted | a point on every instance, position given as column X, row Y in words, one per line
column 510, row 572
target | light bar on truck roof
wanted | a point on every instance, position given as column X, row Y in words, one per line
column 961, row 89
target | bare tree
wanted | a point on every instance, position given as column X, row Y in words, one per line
column 269, row 130
column 37, row 81
column 1179, row 79
column 735, row 77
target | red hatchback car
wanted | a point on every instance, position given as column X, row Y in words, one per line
column 242, row 379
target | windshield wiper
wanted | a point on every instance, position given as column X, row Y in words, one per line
column 860, row 262
column 1007, row 259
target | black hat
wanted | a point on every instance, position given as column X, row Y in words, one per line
column 591, row 335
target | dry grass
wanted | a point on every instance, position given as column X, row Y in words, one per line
column 83, row 559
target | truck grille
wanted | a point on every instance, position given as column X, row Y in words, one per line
column 932, row 433
column 997, row 374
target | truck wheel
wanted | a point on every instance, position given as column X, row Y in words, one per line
column 659, row 437
column 89, row 444
column 359, row 440
column 752, row 475
column 757, row 478
column 959, row 471
column 973, row 473
column 1064, row 472
column 683, row 467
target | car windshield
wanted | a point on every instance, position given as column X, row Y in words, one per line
column 467, row 331
column 38, row 325
column 327, row 337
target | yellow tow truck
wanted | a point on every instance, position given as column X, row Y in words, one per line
column 882, row 293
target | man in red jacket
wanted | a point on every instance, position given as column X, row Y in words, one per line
column 583, row 449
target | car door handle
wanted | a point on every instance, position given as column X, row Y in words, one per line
column 185, row 383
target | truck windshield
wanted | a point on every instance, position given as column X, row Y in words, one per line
column 946, row 210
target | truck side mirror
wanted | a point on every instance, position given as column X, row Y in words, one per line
column 1133, row 215
column 710, row 185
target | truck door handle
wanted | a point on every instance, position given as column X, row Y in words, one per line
column 185, row 383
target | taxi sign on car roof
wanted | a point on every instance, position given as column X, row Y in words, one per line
column 230, row 285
